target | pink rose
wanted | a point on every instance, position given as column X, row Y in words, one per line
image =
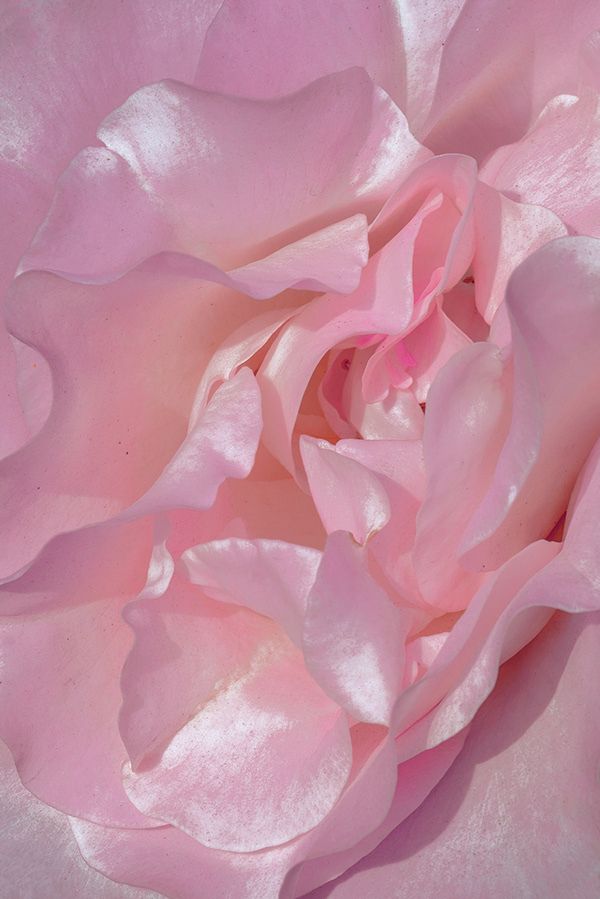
column 300, row 407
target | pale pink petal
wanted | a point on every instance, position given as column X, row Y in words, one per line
column 107, row 438
column 460, row 307
column 39, row 852
column 77, row 237
column 221, row 152
column 221, row 444
column 431, row 345
column 589, row 61
column 363, row 804
column 251, row 509
column 354, row 636
column 464, row 671
column 51, row 57
column 505, row 615
column 270, row 577
column 280, row 48
column 416, row 779
column 382, row 304
column 529, row 767
column 238, row 348
column 442, row 251
column 497, row 70
column 34, row 386
column 556, row 164
column 167, row 860
column 348, row 496
column 51, row 61
column 162, row 689
column 331, row 258
column 468, row 77
column 455, row 178
column 569, row 581
column 25, row 392
column 467, row 417
column 508, row 612
column 63, row 645
column 399, row 463
column 553, row 306
column 507, row 232
column 263, row 759
column 101, row 194
column 13, row 426
column 397, row 417
column 400, row 467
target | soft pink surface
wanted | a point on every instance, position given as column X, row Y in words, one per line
column 526, row 778
column 299, row 450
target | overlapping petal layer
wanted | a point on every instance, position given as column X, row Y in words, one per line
column 263, row 563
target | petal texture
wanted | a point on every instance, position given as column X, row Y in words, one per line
column 537, row 733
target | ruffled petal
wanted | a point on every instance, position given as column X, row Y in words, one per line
column 553, row 304
column 556, row 164
column 497, row 71
column 39, row 850
column 280, row 48
column 467, row 419
column 174, row 864
column 400, row 468
column 529, row 767
column 348, row 496
column 383, row 304
column 206, row 149
column 505, row 615
column 507, row 232
column 107, row 438
column 415, row 781
column 50, row 63
column 270, row 577
column 431, row 345
column 63, row 646
column 221, row 444
column 353, row 637
column 263, row 759
column 14, row 431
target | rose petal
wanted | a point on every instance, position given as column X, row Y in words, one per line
column 63, row 648
column 279, row 49
column 498, row 71
column 222, row 444
column 107, row 439
column 160, row 205
column 14, row 432
column 270, row 577
column 415, row 780
column 400, row 467
column 556, row 407
column 431, row 345
column 466, row 421
column 263, row 759
column 50, row 62
column 38, row 848
column 353, row 636
column 507, row 613
column 162, row 690
column 563, row 144
column 167, row 860
column 347, row 495
column 507, row 232
column 537, row 733
column 383, row 303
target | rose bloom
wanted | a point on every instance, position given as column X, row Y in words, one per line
column 300, row 399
